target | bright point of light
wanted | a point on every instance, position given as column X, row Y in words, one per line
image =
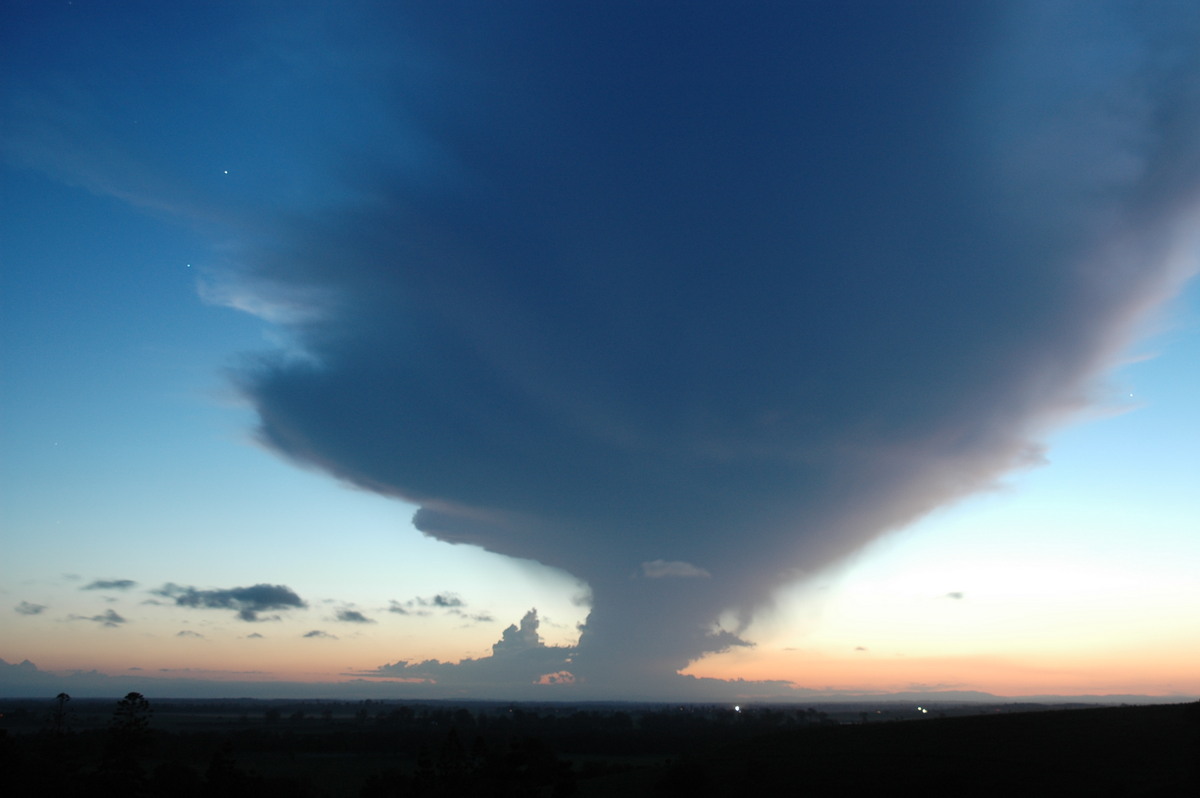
column 737, row 709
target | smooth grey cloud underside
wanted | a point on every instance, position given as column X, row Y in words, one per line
column 688, row 310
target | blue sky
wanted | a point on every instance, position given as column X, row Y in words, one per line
column 841, row 349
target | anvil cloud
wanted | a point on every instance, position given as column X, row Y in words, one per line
column 725, row 292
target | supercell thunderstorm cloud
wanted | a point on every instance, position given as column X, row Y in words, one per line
column 690, row 301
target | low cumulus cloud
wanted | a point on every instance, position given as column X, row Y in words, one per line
column 424, row 605
column 248, row 602
column 110, row 584
column 189, row 633
column 107, row 618
column 518, row 658
column 28, row 608
column 319, row 634
column 442, row 600
column 352, row 616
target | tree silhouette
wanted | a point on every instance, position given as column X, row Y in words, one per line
column 128, row 735
column 59, row 720
column 129, row 730
column 132, row 715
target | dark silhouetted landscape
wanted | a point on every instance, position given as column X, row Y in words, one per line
column 140, row 746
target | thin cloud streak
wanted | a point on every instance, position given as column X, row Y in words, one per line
column 110, row 584
column 108, row 618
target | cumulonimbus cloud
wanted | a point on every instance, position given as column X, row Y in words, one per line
column 751, row 290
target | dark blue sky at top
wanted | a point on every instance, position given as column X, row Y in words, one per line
column 739, row 286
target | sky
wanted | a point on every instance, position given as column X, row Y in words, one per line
column 600, row 350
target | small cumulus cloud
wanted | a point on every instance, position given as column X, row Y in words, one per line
column 107, row 618
column 659, row 569
column 317, row 633
column 248, row 602
column 110, row 584
column 860, row 648
column 189, row 633
column 476, row 617
column 352, row 616
column 254, row 636
column 954, row 594
column 443, row 600
column 560, row 677
column 27, row 608
column 421, row 605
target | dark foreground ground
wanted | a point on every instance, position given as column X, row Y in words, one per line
column 280, row 748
